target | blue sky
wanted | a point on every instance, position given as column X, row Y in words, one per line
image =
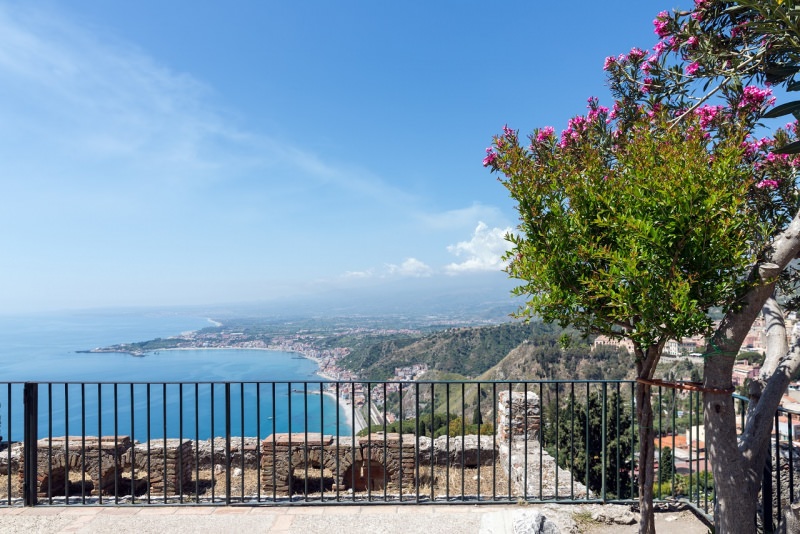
column 180, row 153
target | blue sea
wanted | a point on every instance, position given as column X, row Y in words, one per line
column 107, row 394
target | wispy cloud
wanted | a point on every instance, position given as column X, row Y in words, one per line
column 483, row 252
column 462, row 217
column 411, row 267
column 97, row 105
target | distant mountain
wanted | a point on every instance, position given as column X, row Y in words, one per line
column 482, row 297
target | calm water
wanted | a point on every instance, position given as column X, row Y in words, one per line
column 42, row 348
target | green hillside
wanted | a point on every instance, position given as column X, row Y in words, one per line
column 510, row 350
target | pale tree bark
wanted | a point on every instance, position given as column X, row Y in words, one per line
column 738, row 464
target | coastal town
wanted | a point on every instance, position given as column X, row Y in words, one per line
column 352, row 392
column 363, row 399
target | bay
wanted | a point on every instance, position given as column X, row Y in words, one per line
column 187, row 394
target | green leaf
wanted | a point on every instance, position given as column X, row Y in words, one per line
column 783, row 109
column 791, row 148
column 780, row 73
column 793, row 85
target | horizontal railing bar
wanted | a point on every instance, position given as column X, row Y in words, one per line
column 320, row 381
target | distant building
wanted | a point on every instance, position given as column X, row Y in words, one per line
column 619, row 342
column 672, row 348
column 783, row 427
column 743, row 372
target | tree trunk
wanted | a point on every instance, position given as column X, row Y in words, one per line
column 737, row 467
column 644, row 416
column 646, row 362
column 736, row 479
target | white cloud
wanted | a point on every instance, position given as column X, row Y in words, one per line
column 359, row 274
column 411, row 267
column 483, row 252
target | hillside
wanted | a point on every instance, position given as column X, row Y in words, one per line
column 530, row 361
column 514, row 349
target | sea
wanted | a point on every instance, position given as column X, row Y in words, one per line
column 191, row 394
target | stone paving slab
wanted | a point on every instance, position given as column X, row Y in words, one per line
column 358, row 519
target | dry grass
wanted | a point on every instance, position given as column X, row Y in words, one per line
column 437, row 482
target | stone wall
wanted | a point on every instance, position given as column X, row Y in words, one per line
column 363, row 463
column 97, row 458
column 518, row 416
column 531, row 469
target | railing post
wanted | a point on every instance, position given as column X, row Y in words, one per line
column 603, row 446
column 766, row 495
column 228, row 443
column 30, row 433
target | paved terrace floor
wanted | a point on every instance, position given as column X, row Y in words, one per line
column 428, row 519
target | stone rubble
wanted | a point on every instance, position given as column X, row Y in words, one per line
column 533, row 522
column 532, row 470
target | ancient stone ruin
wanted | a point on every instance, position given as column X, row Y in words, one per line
column 532, row 470
column 518, row 416
column 306, row 463
column 360, row 464
column 99, row 460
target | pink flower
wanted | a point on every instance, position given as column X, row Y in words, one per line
column 673, row 43
column 577, row 124
column 753, row 97
column 756, row 146
column 597, row 112
column 661, row 23
column 545, row 134
column 691, row 41
column 508, row 132
column 610, row 60
column 768, row 183
column 707, row 114
column 490, row 157
column 636, row 53
column 691, row 68
column 659, row 48
column 646, row 85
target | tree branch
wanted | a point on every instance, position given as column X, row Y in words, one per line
column 775, row 330
column 757, row 431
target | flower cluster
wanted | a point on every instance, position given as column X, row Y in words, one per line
column 544, row 134
column 707, row 114
column 661, row 24
column 755, row 98
column 491, row 157
column 767, row 183
column 651, row 87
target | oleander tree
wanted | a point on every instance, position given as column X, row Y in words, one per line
column 634, row 223
column 715, row 47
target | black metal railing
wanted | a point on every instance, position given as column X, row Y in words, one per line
column 327, row 442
